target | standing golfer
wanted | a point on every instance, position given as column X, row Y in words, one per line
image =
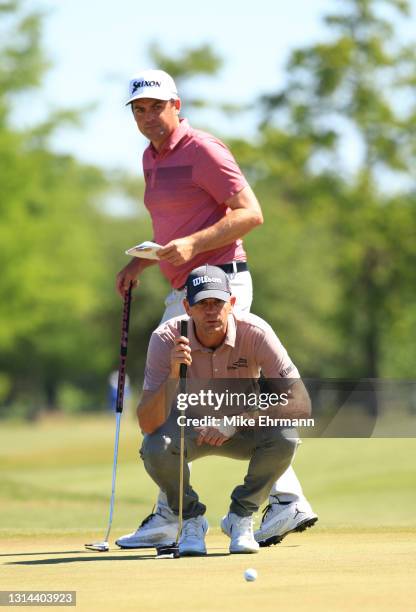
column 221, row 345
column 201, row 205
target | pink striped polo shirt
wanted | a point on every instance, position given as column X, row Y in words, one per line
column 250, row 346
column 187, row 183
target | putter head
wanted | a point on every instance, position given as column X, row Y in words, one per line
column 168, row 552
column 98, row 546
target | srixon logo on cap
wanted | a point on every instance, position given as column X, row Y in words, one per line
column 137, row 84
column 205, row 279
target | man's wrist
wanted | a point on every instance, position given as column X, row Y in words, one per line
column 194, row 244
column 135, row 266
column 226, row 430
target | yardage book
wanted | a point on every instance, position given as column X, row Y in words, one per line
column 146, row 250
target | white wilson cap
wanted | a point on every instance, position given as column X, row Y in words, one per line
column 152, row 84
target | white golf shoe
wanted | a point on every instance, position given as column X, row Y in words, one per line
column 192, row 540
column 158, row 529
column 240, row 530
column 281, row 519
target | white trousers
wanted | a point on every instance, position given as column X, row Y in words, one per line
column 287, row 487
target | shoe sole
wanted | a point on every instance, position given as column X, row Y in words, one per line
column 306, row 524
column 244, row 552
column 149, row 545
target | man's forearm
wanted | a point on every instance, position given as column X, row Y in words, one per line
column 154, row 408
column 298, row 404
column 233, row 226
column 243, row 214
column 295, row 405
column 296, row 408
column 142, row 264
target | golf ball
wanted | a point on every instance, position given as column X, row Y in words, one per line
column 250, row 574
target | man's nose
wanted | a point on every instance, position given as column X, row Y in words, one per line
column 211, row 308
column 148, row 116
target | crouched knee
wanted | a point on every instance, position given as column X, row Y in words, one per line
column 157, row 448
column 285, row 440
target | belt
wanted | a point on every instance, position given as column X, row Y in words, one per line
column 236, row 266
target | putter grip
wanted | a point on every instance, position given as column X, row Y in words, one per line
column 183, row 332
column 123, row 349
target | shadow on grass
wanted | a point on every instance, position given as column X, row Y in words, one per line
column 104, row 555
column 45, row 552
column 99, row 557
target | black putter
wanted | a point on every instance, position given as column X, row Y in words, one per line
column 104, row 546
column 172, row 550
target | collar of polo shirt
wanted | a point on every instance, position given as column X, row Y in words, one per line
column 173, row 139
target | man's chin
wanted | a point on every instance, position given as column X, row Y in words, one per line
column 152, row 133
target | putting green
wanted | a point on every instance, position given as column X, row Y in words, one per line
column 316, row 570
column 54, row 497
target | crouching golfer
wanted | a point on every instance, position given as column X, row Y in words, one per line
column 220, row 344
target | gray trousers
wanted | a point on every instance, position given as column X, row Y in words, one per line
column 269, row 451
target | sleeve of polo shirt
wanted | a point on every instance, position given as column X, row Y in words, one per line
column 216, row 171
column 274, row 359
column 157, row 367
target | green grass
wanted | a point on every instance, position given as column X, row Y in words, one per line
column 343, row 572
column 54, row 496
column 56, row 475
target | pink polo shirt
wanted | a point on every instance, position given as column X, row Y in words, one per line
column 187, row 183
column 250, row 346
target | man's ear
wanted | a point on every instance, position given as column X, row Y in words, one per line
column 186, row 306
column 177, row 103
column 233, row 300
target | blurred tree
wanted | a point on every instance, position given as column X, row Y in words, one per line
column 49, row 252
column 292, row 255
column 189, row 63
column 355, row 92
column 23, row 62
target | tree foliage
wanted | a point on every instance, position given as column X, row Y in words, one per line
column 49, row 253
column 359, row 87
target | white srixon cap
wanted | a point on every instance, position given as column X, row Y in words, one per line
column 152, row 84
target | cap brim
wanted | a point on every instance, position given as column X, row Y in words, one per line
column 211, row 293
column 159, row 95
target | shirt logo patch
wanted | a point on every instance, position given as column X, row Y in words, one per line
column 240, row 363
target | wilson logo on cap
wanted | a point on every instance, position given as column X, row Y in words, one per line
column 205, row 279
